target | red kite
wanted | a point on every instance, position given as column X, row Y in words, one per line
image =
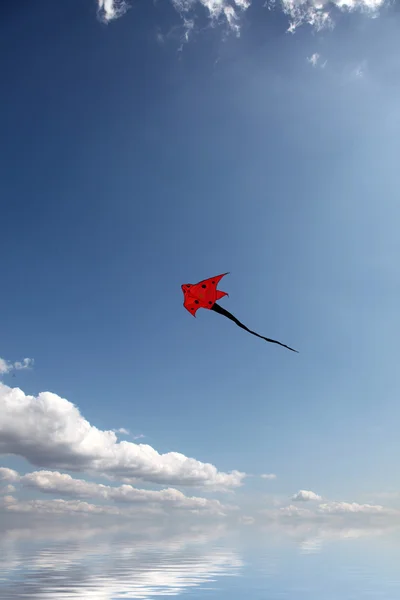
column 205, row 295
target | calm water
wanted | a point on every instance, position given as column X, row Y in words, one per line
column 101, row 562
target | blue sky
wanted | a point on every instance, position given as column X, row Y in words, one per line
column 155, row 150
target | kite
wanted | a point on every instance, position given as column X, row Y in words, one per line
column 205, row 295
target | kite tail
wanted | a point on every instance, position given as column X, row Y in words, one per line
column 218, row 309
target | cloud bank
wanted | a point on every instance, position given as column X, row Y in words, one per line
column 55, row 507
column 49, row 431
column 53, row 482
column 333, row 511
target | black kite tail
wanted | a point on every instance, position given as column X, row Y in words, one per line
column 218, row 309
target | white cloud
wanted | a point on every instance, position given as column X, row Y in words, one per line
column 217, row 10
column 268, row 476
column 108, row 10
column 343, row 508
column 311, row 12
column 359, row 71
column 6, row 366
column 306, row 496
column 58, row 506
column 27, row 363
column 313, row 59
column 124, row 431
column 7, row 489
column 125, row 507
column 330, row 514
column 53, row 482
column 293, row 511
column 8, row 474
column 49, row 431
column 316, row 13
column 247, row 520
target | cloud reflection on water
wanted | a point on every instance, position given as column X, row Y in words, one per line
column 110, row 563
column 99, row 560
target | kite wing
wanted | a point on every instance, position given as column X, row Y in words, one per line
column 203, row 294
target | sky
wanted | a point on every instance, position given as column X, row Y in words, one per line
column 147, row 145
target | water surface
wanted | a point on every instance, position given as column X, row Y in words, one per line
column 74, row 561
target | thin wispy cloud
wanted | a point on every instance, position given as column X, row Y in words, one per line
column 218, row 11
column 7, row 366
column 314, row 58
column 246, row 520
column 315, row 61
column 124, row 431
column 318, row 15
column 268, row 476
column 360, row 70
